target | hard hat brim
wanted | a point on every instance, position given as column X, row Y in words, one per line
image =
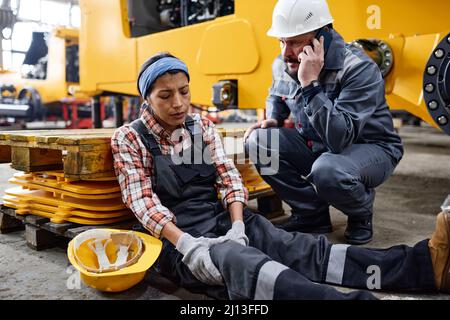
column 152, row 249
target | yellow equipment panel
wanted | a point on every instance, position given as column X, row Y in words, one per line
column 78, row 187
column 236, row 47
column 25, row 203
column 80, row 211
column 68, row 203
column 32, row 185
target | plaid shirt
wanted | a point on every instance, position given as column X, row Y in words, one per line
column 133, row 165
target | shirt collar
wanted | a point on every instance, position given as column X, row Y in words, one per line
column 153, row 125
column 334, row 59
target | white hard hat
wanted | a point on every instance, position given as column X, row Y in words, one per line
column 295, row 17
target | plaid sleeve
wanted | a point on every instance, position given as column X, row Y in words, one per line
column 135, row 181
column 229, row 181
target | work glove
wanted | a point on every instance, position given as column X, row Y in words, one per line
column 197, row 258
column 237, row 233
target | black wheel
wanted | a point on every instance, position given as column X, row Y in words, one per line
column 31, row 97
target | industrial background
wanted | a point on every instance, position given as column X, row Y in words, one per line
column 68, row 72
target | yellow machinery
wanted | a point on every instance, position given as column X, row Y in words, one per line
column 230, row 56
column 48, row 82
column 402, row 36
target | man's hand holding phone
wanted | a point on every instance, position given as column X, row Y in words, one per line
column 312, row 60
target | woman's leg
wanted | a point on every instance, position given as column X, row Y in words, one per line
column 250, row 274
column 397, row 268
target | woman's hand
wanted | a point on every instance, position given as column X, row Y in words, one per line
column 237, row 233
column 197, row 258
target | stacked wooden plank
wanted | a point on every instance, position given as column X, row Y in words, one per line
column 81, row 154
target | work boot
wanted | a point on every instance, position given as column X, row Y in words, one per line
column 439, row 246
column 359, row 231
column 319, row 225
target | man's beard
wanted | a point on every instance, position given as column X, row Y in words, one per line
column 290, row 60
column 292, row 73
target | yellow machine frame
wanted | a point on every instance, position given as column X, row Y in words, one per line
column 236, row 47
column 54, row 87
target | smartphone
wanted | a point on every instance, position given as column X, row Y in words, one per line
column 327, row 38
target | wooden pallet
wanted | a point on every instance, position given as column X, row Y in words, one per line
column 42, row 234
column 268, row 204
column 81, row 154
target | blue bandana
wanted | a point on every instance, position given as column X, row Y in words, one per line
column 157, row 69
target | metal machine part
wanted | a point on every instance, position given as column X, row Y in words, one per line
column 436, row 84
column 379, row 51
column 148, row 17
column 27, row 104
column 225, row 94
column 179, row 13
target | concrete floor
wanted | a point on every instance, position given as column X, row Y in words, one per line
column 405, row 210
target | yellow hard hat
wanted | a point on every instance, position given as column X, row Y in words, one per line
column 113, row 260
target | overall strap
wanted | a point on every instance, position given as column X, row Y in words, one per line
column 192, row 126
column 147, row 138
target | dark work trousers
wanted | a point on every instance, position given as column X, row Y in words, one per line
column 309, row 182
column 292, row 265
